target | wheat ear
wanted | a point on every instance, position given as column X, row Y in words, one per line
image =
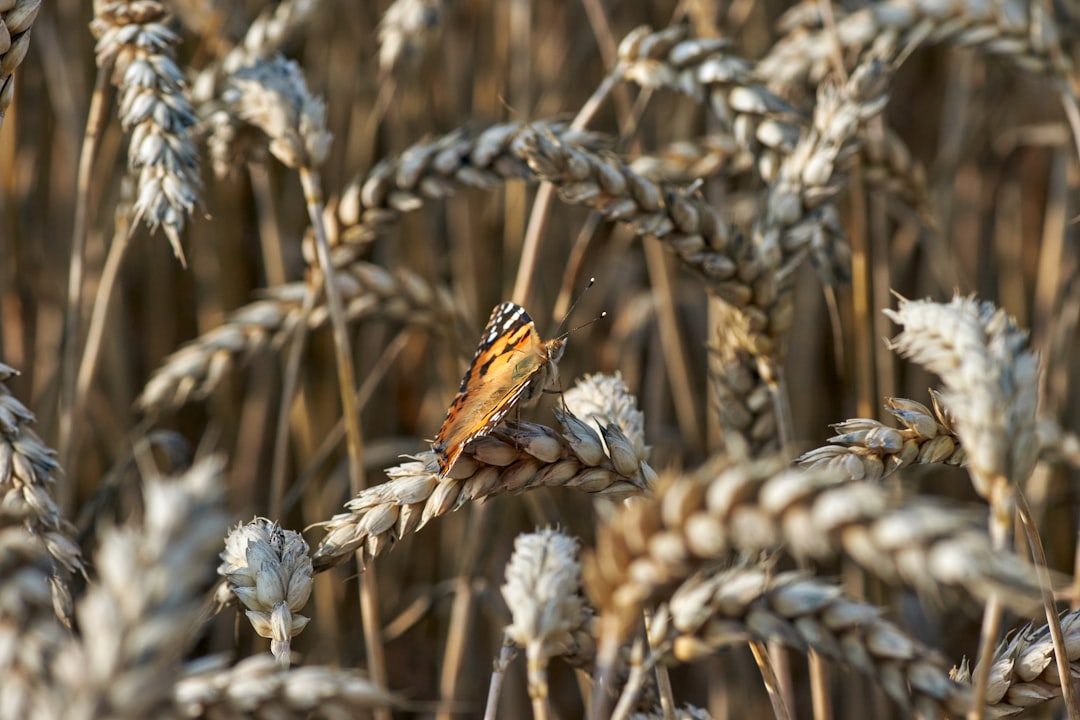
column 258, row 687
column 436, row 168
column 136, row 618
column 196, row 370
column 652, row 545
column 991, row 389
column 865, row 449
column 1023, row 673
column 269, row 570
column 16, row 22
column 1018, row 31
column 543, row 592
column 763, row 125
column 407, row 29
column 27, row 473
column 136, row 46
column 712, row 611
column 516, row 458
column 991, row 385
column 31, row 634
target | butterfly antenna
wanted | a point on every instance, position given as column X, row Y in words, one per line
column 601, row 316
column 572, row 306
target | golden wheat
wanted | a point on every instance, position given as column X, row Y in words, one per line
column 785, row 173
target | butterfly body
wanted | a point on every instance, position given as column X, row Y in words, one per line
column 512, row 365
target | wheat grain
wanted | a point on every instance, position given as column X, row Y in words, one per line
column 135, row 46
column 603, row 400
column 269, row 570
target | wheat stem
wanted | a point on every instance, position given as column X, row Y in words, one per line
column 498, row 676
column 69, row 399
column 1053, row 622
column 530, row 246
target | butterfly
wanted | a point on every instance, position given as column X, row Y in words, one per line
column 512, row 365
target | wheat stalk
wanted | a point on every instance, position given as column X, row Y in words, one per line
column 136, row 47
column 713, row 611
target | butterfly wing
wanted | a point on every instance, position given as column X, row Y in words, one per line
column 506, row 361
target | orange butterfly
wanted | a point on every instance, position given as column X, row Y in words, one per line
column 512, row 364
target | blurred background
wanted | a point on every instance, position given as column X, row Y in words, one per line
column 990, row 154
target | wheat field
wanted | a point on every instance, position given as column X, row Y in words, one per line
column 810, row 450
